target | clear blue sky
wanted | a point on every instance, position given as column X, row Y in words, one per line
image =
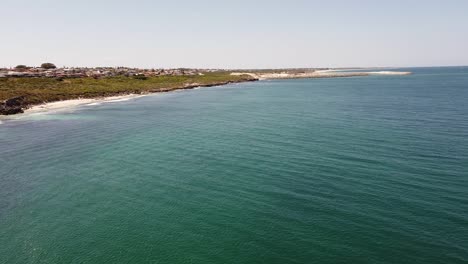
column 234, row 34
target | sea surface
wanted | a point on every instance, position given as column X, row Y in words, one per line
column 351, row 170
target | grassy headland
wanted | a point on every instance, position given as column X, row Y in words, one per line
column 33, row 86
column 20, row 93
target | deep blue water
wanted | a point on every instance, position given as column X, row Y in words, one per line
column 351, row 170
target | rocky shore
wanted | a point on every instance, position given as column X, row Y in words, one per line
column 12, row 106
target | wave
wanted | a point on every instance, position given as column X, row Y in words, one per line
column 389, row 73
column 118, row 100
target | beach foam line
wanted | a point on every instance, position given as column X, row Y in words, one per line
column 389, row 73
column 118, row 100
column 73, row 103
column 60, row 105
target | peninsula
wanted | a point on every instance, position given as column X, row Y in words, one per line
column 23, row 87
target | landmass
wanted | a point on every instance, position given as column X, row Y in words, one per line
column 23, row 87
column 312, row 73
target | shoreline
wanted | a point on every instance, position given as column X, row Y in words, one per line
column 318, row 74
column 18, row 106
column 66, row 104
column 72, row 103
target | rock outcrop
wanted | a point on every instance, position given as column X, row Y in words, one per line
column 12, row 106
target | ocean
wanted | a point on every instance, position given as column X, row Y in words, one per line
column 346, row 170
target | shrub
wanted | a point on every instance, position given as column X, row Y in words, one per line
column 48, row 65
column 140, row 77
column 21, row 67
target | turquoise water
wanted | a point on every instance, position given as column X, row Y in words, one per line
column 354, row 170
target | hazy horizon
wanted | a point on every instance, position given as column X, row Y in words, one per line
column 235, row 35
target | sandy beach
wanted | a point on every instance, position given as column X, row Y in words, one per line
column 317, row 74
column 66, row 104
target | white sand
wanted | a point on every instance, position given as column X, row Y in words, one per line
column 69, row 104
column 318, row 74
column 253, row 75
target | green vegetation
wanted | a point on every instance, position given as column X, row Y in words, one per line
column 21, row 67
column 48, row 65
column 39, row 90
column 140, row 77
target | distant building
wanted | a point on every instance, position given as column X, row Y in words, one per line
column 97, row 72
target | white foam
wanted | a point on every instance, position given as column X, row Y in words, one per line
column 69, row 105
column 389, row 73
column 117, row 100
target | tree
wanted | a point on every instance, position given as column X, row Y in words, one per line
column 21, row 67
column 48, row 65
column 140, row 77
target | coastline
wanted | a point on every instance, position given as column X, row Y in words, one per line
column 19, row 104
column 71, row 103
column 317, row 74
column 66, row 104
